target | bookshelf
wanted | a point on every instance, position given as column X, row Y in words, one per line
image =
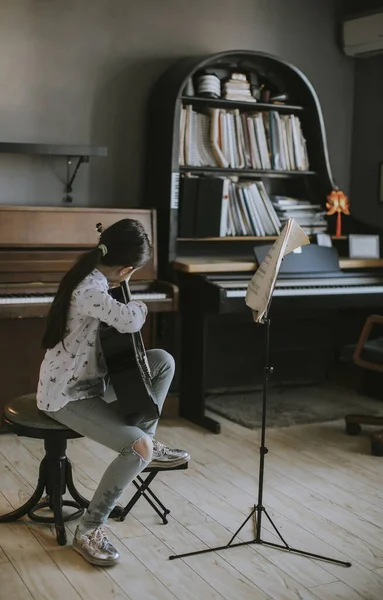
column 166, row 173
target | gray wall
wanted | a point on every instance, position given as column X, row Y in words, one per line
column 80, row 72
column 367, row 135
column 367, row 141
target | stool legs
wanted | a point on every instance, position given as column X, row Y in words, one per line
column 377, row 443
column 354, row 422
column 57, row 502
column 77, row 497
column 144, row 490
column 54, row 476
column 353, row 427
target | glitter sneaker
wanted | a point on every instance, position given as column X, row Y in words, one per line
column 95, row 547
column 165, row 458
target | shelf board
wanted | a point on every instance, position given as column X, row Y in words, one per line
column 246, row 238
column 213, row 264
column 254, row 106
column 246, row 172
column 218, row 264
column 52, row 149
column 231, row 238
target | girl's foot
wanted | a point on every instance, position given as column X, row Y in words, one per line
column 95, row 547
column 167, row 457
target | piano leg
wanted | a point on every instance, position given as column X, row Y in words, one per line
column 192, row 385
column 20, row 358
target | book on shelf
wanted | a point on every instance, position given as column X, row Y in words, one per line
column 218, row 137
column 221, row 207
column 261, row 286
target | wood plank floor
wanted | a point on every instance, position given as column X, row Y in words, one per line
column 323, row 490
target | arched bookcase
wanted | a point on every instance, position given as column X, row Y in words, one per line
column 164, row 174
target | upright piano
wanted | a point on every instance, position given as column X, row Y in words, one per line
column 37, row 246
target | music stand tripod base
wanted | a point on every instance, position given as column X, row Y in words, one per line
column 259, row 509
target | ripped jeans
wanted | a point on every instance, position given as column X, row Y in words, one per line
column 99, row 420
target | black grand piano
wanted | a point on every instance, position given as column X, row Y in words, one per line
column 316, row 308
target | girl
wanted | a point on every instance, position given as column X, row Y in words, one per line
column 72, row 375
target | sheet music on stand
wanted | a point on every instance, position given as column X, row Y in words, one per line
column 261, row 286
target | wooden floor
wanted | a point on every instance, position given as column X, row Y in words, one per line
column 323, row 490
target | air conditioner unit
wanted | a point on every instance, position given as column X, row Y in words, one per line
column 363, row 36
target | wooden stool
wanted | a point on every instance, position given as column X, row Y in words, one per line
column 367, row 354
column 377, row 443
column 353, row 427
column 22, row 417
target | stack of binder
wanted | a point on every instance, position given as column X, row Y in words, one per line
column 220, row 207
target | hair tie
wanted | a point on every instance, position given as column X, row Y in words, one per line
column 103, row 248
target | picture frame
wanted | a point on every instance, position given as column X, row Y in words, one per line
column 364, row 246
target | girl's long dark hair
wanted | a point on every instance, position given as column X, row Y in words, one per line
column 127, row 246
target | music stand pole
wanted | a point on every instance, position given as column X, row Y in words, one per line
column 259, row 508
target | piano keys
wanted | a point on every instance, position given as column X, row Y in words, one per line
column 342, row 287
column 17, row 305
column 37, row 246
column 353, row 290
column 47, row 299
column 309, row 287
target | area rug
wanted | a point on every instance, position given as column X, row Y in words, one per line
column 288, row 406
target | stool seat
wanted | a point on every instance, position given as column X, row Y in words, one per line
column 21, row 413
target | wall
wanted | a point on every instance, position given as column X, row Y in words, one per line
column 367, row 139
column 80, row 72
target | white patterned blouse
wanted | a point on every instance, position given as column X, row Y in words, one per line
column 77, row 370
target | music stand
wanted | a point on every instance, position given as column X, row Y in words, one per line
column 259, row 508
